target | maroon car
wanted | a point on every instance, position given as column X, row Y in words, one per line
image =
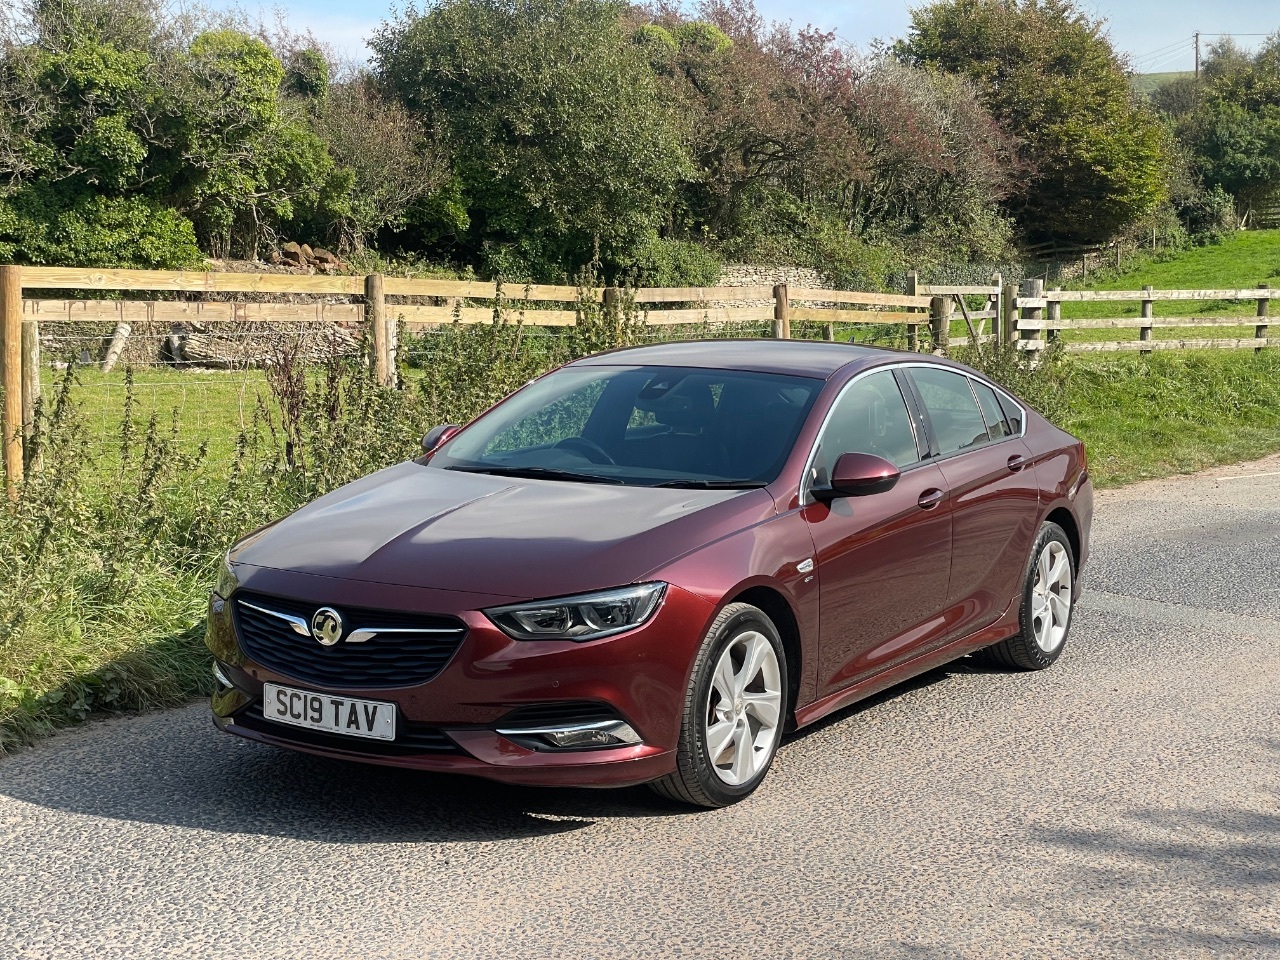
column 643, row 566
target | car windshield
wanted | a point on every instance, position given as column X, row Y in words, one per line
column 650, row 426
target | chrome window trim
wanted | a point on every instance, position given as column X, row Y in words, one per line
column 806, row 479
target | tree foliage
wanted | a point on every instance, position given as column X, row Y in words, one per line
column 1097, row 157
column 562, row 143
column 527, row 138
column 1230, row 122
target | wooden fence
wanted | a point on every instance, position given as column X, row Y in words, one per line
column 1035, row 318
column 1028, row 315
column 31, row 295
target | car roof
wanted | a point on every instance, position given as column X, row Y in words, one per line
column 802, row 358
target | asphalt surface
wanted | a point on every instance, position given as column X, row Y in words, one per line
column 1125, row 803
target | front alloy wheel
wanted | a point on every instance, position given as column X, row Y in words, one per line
column 734, row 711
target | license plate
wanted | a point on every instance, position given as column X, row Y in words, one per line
column 372, row 719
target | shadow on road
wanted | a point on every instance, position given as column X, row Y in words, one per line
column 173, row 768
column 1226, row 860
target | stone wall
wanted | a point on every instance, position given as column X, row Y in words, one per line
column 757, row 275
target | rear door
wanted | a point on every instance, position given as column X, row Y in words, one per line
column 883, row 560
column 994, row 496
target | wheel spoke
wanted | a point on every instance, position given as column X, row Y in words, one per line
column 744, row 752
column 1061, row 610
column 1039, row 605
column 763, row 706
column 719, row 736
column 1058, row 572
column 1042, row 569
column 723, row 680
column 757, row 649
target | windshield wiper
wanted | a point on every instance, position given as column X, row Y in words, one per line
column 713, row 484
column 537, row 473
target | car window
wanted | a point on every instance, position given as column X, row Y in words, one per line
column 557, row 421
column 642, row 425
column 1012, row 413
column 997, row 428
column 869, row 417
column 953, row 412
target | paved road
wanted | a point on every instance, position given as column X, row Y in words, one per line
column 1125, row 803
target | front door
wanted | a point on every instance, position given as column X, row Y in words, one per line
column 883, row 560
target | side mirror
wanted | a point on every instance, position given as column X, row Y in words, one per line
column 438, row 435
column 860, row 475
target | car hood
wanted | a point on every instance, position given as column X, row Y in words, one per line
column 421, row 526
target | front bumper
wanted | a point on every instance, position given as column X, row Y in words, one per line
column 449, row 723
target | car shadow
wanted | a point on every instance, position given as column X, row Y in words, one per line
column 174, row 769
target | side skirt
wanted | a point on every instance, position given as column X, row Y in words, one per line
column 1002, row 629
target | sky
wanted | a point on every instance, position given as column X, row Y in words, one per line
column 1156, row 34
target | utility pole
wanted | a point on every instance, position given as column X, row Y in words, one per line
column 1197, row 54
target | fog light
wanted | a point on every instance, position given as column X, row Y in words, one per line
column 221, row 677
column 605, row 733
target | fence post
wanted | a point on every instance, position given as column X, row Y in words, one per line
column 11, row 376
column 1148, row 313
column 781, row 313
column 1053, row 316
column 913, row 330
column 1032, row 289
column 375, row 315
column 1264, row 310
column 30, row 379
column 995, row 304
column 116, row 346
column 940, row 322
column 1009, row 325
column 611, row 308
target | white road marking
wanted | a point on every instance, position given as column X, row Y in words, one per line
column 1251, row 476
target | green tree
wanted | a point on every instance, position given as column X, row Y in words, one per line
column 1230, row 122
column 563, row 145
column 1098, row 158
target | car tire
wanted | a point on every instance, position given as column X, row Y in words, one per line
column 1047, row 607
column 734, row 711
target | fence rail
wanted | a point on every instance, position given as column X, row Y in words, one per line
column 1036, row 321
column 377, row 306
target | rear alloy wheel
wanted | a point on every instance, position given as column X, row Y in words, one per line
column 734, row 711
column 1045, row 615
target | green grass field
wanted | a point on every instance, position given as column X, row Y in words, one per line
column 1244, row 261
column 1148, row 83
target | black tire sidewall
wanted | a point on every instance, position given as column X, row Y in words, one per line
column 718, row 639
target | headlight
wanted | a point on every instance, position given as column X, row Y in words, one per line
column 227, row 582
column 588, row 616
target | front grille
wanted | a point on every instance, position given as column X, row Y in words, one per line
column 562, row 714
column 385, row 660
column 411, row 738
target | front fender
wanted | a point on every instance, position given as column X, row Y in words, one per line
column 767, row 555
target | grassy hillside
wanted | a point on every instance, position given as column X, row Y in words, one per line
column 1243, row 261
column 1151, row 82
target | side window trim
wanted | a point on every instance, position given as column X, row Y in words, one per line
column 1003, row 396
column 806, row 478
column 920, row 412
column 982, row 413
column 934, row 455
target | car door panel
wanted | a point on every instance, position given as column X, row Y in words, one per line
column 993, row 525
column 883, row 563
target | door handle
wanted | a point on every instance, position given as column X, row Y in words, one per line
column 1017, row 462
column 930, row 499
